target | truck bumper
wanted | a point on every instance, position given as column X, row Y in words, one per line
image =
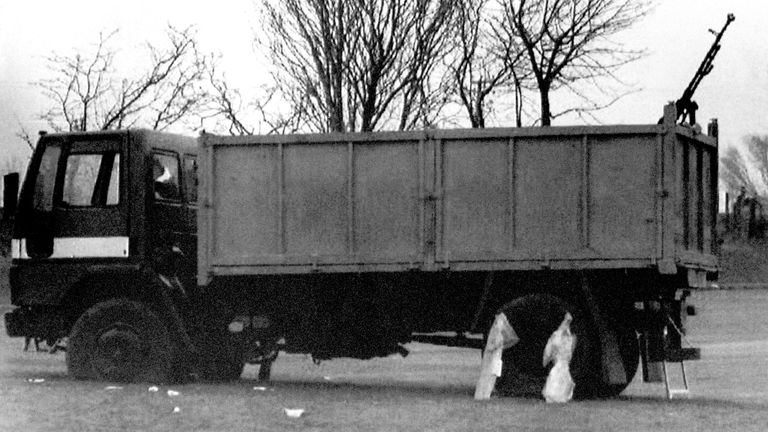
column 34, row 322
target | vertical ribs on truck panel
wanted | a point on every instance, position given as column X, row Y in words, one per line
column 707, row 199
column 421, row 194
column 698, row 207
column 438, row 202
column 670, row 223
column 661, row 195
column 686, row 197
column 350, row 198
column 584, row 192
column 280, row 199
column 428, row 203
column 692, row 196
column 208, row 240
column 696, row 196
column 510, row 225
column 700, row 197
column 714, row 176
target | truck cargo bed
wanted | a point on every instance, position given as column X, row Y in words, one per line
column 466, row 200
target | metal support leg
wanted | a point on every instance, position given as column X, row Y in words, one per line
column 672, row 393
column 679, row 355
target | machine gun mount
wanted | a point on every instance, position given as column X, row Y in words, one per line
column 686, row 107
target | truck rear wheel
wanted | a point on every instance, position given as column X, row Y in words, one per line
column 120, row 340
column 629, row 350
column 534, row 317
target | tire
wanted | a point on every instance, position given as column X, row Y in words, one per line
column 629, row 349
column 534, row 317
column 120, row 340
column 222, row 353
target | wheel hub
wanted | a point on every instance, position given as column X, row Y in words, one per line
column 119, row 352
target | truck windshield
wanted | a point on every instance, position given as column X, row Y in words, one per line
column 46, row 179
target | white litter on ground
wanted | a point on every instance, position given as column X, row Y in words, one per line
column 293, row 412
column 173, row 393
column 113, row 388
column 260, row 388
column 176, row 409
column 35, row 380
column 153, row 389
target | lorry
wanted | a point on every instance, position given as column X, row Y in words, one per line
column 160, row 257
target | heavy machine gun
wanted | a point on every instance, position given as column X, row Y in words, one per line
column 686, row 107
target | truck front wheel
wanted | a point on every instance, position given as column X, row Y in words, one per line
column 120, row 340
column 534, row 317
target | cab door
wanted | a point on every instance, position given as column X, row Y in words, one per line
column 73, row 213
column 76, row 208
column 168, row 217
column 90, row 212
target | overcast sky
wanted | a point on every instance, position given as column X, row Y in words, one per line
column 675, row 36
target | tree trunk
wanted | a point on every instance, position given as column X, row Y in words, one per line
column 546, row 111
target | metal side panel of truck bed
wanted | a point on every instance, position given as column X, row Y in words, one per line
column 587, row 197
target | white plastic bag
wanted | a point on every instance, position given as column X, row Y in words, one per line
column 500, row 337
column 559, row 349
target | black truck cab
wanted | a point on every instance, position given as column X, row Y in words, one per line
column 98, row 212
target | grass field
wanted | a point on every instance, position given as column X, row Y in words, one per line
column 744, row 262
column 429, row 390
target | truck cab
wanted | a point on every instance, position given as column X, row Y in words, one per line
column 100, row 213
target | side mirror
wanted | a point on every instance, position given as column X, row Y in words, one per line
column 10, row 194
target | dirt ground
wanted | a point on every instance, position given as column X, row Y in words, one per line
column 431, row 389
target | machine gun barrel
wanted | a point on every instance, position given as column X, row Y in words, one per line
column 686, row 107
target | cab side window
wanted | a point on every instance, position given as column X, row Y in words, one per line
column 91, row 179
column 165, row 172
column 190, row 178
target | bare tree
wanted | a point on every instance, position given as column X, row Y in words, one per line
column 267, row 113
column 88, row 92
column 354, row 64
column 228, row 104
column 568, row 43
column 750, row 172
column 734, row 173
column 305, row 42
column 484, row 62
column 424, row 92
column 24, row 135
